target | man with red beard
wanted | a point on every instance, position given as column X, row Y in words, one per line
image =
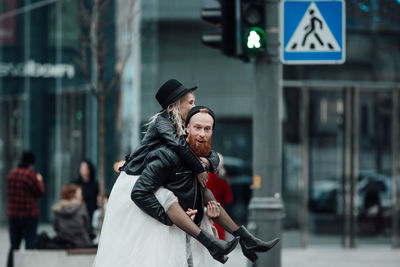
column 165, row 169
column 200, row 139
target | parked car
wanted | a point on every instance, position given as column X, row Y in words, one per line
column 325, row 198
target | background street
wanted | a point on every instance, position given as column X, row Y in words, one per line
column 330, row 255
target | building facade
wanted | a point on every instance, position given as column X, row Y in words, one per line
column 45, row 101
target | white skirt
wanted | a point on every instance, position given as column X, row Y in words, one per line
column 130, row 237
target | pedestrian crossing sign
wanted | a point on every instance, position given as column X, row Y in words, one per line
column 313, row 32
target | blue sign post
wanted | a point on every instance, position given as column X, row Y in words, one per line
column 313, row 32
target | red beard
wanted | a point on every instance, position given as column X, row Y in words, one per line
column 200, row 149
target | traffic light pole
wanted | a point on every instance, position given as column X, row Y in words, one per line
column 266, row 206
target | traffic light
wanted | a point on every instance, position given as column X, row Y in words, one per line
column 224, row 17
column 252, row 27
column 240, row 26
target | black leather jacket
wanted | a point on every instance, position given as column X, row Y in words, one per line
column 163, row 131
column 165, row 168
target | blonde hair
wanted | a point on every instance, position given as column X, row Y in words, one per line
column 174, row 112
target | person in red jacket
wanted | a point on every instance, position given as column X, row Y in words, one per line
column 24, row 186
column 221, row 190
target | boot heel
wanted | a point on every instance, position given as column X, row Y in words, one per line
column 221, row 258
column 231, row 245
column 251, row 255
column 218, row 248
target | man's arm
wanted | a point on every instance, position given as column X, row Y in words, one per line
column 166, row 130
column 152, row 178
column 214, row 161
column 36, row 185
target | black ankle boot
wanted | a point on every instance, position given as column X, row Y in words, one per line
column 218, row 248
column 251, row 244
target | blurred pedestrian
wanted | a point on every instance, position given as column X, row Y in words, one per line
column 98, row 216
column 219, row 186
column 24, row 187
column 372, row 208
column 71, row 222
column 90, row 187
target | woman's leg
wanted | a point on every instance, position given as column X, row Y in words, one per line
column 224, row 220
column 182, row 220
column 248, row 242
column 217, row 248
column 178, row 216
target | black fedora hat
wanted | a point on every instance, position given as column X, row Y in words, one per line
column 171, row 91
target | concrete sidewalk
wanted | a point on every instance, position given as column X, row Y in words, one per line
column 315, row 256
column 329, row 257
column 236, row 259
column 337, row 257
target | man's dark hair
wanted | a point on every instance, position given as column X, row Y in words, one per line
column 198, row 109
column 27, row 158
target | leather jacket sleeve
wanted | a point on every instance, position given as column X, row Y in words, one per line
column 214, row 161
column 167, row 131
column 147, row 184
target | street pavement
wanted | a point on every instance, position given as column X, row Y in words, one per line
column 330, row 254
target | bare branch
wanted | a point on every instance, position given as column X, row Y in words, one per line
column 117, row 77
column 105, row 5
column 132, row 14
column 94, row 19
column 84, row 13
column 115, row 80
column 122, row 64
column 92, row 36
column 86, row 74
column 85, row 41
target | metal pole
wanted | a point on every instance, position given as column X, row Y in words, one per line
column 347, row 171
column 395, row 165
column 354, row 167
column 266, row 207
column 58, row 164
column 304, row 119
column 26, row 138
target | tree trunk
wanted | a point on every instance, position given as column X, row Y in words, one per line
column 102, row 146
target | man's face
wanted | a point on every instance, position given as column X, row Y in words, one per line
column 187, row 103
column 200, row 130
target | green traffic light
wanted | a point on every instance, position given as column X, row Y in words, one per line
column 255, row 38
column 79, row 115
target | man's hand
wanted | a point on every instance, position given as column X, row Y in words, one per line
column 39, row 177
column 117, row 165
column 202, row 178
column 205, row 161
column 191, row 213
column 213, row 210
